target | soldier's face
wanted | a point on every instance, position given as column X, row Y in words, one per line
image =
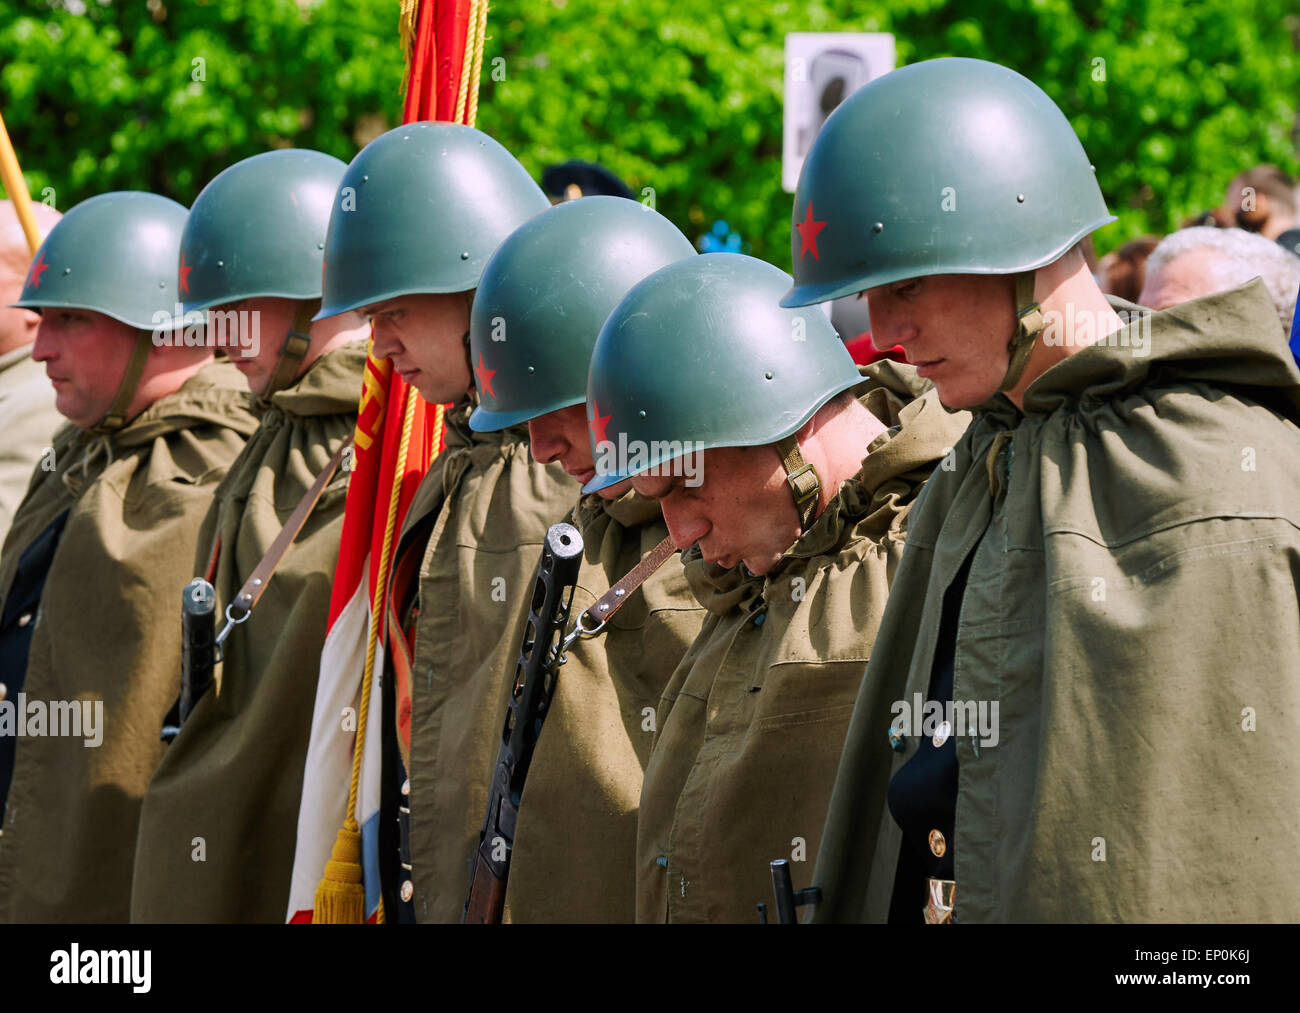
column 85, row 355
column 562, row 436
column 254, row 331
column 424, row 335
column 741, row 510
column 953, row 327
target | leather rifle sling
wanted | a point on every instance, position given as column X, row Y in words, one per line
column 616, row 597
column 237, row 611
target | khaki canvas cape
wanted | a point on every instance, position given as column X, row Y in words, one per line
column 1132, row 609
column 489, row 505
column 574, row 857
column 28, row 420
column 231, row 781
column 752, row 721
column 108, row 635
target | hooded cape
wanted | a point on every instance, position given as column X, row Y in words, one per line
column 1132, row 609
column 487, row 506
column 751, row 724
column 108, row 635
column 233, row 776
column 574, row 857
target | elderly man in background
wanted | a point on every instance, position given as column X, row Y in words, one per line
column 28, row 417
column 1197, row 262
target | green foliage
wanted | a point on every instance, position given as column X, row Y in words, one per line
column 164, row 95
column 1170, row 98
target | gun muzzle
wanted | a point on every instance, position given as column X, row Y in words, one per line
column 198, row 643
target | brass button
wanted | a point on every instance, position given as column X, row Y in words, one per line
column 24, row 619
column 941, row 734
column 408, row 891
column 937, row 844
column 4, row 691
column 406, row 786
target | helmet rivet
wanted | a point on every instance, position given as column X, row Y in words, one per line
column 221, row 263
column 642, row 413
column 1020, row 198
column 162, row 284
column 878, row 227
column 1093, row 168
column 767, row 375
column 530, row 369
column 67, row 270
column 464, row 255
column 320, row 246
column 365, row 179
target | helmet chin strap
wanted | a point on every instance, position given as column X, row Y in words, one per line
column 292, row 352
column 1029, row 324
column 115, row 418
column 802, row 478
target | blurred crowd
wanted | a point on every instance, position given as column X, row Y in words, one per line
column 1255, row 232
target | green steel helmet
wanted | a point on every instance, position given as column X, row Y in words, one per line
column 420, row 210
column 545, row 294
column 258, row 229
column 115, row 254
column 950, row 166
column 701, row 355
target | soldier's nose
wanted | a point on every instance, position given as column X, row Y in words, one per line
column 543, row 443
column 684, row 529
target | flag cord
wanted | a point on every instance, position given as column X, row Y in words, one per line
column 340, row 894
column 473, row 61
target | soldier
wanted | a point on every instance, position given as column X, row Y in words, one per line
column 230, row 782
column 104, row 538
column 28, row 417
column 789, row 476
column 541, row 302
column 418, row 214
column 1104, row 582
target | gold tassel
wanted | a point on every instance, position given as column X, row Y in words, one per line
column 340, row 897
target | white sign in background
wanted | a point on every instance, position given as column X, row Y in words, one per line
column 821, row 70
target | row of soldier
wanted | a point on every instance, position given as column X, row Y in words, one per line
column 1079, row 549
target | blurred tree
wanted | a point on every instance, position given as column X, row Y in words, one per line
column 681, row 98
column 123, row 94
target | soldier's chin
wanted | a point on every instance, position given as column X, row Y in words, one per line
column 614, row 491
column 759, row 565
column 960, row 396
column 76, row 413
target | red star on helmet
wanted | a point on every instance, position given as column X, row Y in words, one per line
column 598, row 423
column 485, row 377
column 185, row 275
column 808, row 230
column 38, row 269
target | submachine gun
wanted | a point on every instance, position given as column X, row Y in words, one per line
column 540, row 658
